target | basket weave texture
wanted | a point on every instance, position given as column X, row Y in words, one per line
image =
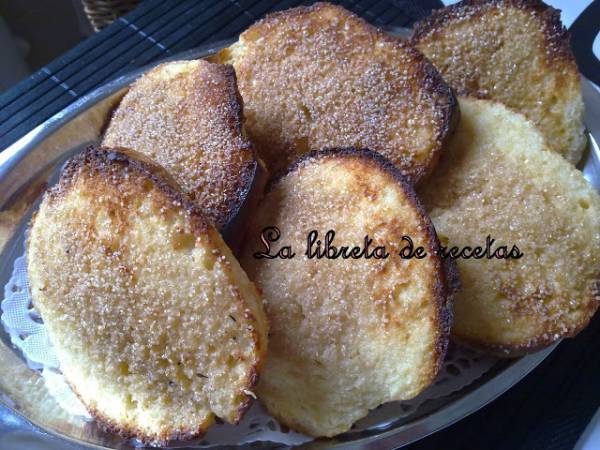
column 102, row 13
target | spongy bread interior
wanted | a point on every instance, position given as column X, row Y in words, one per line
column 499, row 179
column 515, row 52
column 187, row 116
column 155, row 325
column 346, row 334
column 320, row 77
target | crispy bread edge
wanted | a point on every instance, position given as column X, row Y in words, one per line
column 447, row 284
column 249, row 186
column 132, row 432
column 235, row 229
column 557, row 36
column 514, row 351
column 100, row 159
column 451, row 116
column 432, row 82
column 254, row 175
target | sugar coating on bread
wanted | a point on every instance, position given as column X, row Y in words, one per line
column 187, row 116
column 346, row 334
column 516, row 52
column 156, row 326
column 319, row 77
column 498, row 179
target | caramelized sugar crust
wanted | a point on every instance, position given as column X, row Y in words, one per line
column 516, row 52
column 187, row 116
column 319, row 77
column 156, row 327
column 499, row 179
column 347, row 334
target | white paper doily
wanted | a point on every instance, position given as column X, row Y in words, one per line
column 27, row 332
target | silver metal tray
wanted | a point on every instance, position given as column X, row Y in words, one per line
column 27, row 165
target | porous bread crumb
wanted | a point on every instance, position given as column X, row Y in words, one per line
column 321, row 77
column 155, row 325
column 187, row 117
column 346, row 334
column 498, row 179
column 516, row 52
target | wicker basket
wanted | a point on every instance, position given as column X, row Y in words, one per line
column 102, row 13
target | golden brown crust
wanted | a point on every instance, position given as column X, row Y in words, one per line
column 116, row 164
column 188, row 117
column 424, row 86
column 129, row 171
column 557, row 36
column 534, row 345
column 510, row 308
column 516, row 52
column 344, row 317
column 110, row 162
column 447, row 280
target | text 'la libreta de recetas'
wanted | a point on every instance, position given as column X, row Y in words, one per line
column 325, row 248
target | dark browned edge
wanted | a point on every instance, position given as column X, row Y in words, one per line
column 534, row 345
column 252, row 380
column 110, row 426
column 448, row 283
column 103, row 161
column 441, row 95
column 250, row 186
column 253, row 177
column 434, row 82
column 557, row 36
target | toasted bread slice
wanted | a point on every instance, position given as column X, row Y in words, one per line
column 187, row 116
column 516, row 52
column 156, row 326
column 319, row 76
column 499, row 180
column 346, row 334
